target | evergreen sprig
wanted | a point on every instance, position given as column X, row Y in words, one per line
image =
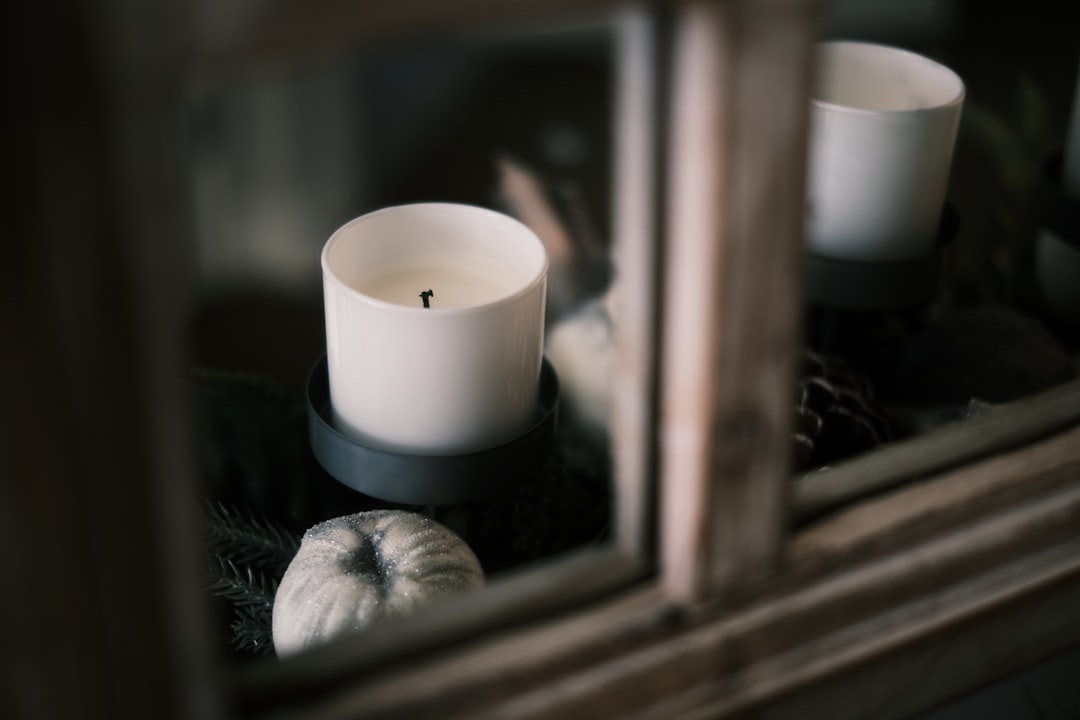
column 251, row 595
column 248, row 557
column 247, row 540
column 243, row 587
column 251, row 629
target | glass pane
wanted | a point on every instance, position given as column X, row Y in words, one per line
column 904, row 340
column 283, row 155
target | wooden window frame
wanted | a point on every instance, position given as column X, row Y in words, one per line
column 734, row 616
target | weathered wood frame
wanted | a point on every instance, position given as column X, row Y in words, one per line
column 733, row 618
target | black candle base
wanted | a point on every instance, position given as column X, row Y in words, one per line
column 879, row 286
column 413, row 479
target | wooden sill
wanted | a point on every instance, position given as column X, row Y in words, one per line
column 945, row 501
column 1002, row 428
column 948, row 557
column 515, row 599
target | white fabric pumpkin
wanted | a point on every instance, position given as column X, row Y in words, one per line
column 354, row 571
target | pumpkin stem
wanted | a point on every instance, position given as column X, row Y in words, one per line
column 365, row 561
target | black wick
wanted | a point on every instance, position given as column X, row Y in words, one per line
column 425, row 296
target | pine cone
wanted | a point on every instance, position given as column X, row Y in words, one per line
column 836, row 414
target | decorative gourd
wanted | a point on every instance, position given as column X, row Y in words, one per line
column 355, row 571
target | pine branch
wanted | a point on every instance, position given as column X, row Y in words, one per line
column 247, row 540
column 243, row 586
column 252, row 597
column 251, row 629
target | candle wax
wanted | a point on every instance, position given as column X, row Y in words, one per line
column 453, row 283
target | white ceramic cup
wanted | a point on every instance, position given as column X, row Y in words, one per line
column 883, row 124
column 459, row 375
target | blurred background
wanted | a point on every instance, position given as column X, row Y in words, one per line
column 284, row 153
column 283, row 156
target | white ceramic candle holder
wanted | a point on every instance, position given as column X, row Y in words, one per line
column 883, row 125
column 434, row 328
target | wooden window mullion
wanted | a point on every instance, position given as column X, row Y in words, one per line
column 740, row 89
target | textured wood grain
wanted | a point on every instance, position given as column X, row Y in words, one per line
column 638, row 657
column 994, row 431
column 732, row 288
column 948, row 500
column 538, row 593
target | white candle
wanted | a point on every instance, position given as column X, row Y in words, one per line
column 883, row 125
column 434, row 322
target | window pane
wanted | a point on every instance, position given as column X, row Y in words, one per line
column 284, row 154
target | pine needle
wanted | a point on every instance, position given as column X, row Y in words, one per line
column 251, row 629
column 247, row 540
column 251, row 595
column 248, row 557
column 243, row 586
